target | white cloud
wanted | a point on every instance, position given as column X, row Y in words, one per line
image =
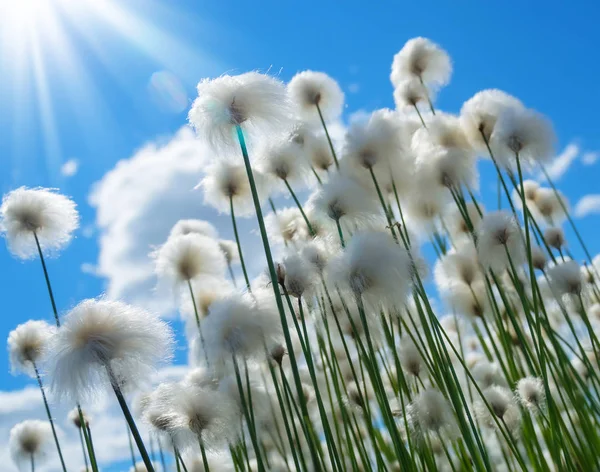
column 89, row 269
column 359, row 116
column 561, row 163
column 589, row 158
column 587, row 205
column 354, row 88
column 69, row 168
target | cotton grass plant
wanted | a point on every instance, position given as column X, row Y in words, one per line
column 346, row 354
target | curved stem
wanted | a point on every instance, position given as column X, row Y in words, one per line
column 335, row 159
column 310, row 228
column 39, row 380
column 47, row 277
column 239, row 246
column 130, row 420
column 198, row 321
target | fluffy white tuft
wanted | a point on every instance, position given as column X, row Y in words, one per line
column 565, row 278
column 530, row 392
column 227, row 179
column 502, row 409
column 375, row 267
column 283, row 160
column 480, row 113
column 431, row 412
column 423, row 59
column 498, row 235
column 26, row 344
column 30, row 438
column 523, row 132
column 238, row 326
column 256, row 102
column 183, row 227
column 101, row 335
column 409, row 93
column 308, row 89
column 189, row 256
column 50, row 215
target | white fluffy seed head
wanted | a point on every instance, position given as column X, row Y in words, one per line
column 487, row 374
column 256, row 102
column 50, row 215
column 319, row 153
column 498, row 235
column 343, row 199
column 431, row 412
column 283, row 160
column 538, row 258
column 530, row 392
column 555, row 237
column 286, row 226
column 227, row 179
column 101, row 335
column 444, row 168
column 458, row 266
column 375, row 267
column 410, row 356
column 229, row 250
column 299, row 275
column 550, row 205
column 189, row 256
column 26, row 344
column 238, row 326
column 480, row 113
column 565, row 278
column 443, row 130
column 423, row 59
column 30, row 438
column 310, row 89
column 376, row 141
column 409, row 93
column 523, row 132
column 457, row 225
column 502, row 406
column 74, row 417
column 183, row 227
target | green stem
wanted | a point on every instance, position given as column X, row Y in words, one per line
column 130, row 421
column 239, row 246
column 310, row 228
column 85, row 459
column 46, row 276
column 87, row 435
column 427, row 95
column 203, row 451
column 130, row 445
column 198, row 321
column 39, row 380
column 383, row 205
column 341, row 234
column 32, row 463
column 335, row 159
column 420, row 116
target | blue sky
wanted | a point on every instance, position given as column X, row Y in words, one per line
column 85, row 92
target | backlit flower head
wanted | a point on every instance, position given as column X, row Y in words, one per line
column 525, row 133
column 76, row 419
column 423, row 59
column 565, row 278
column 319, row 153
column 256, row 102
column 229, row 250
column 227, row 179
column 502, row 406
column 530, row 392
column 555, row 237
column 550, row 205
column 480, row 113
column 431, row 412
column 26, row 344
column 409, row 93
column 458, row 226
column 30, row 438
column 299, row 275
column 183, row 227
column 500, row 237
column 375, row 267
column 239, row 326
column 186, row 257
column 458, row 266
column 283, row 160
column 98, row 336
column 308, row 89
column 26, row 212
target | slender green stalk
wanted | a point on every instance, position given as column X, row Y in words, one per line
column 130, row 421
column 197, row 315
column 420, row 116
column 87, row 435
column 299, row 205
column 238, row 243
column 340, row 232
column 32, row 460
column 203, row 452
column 47, row 407
column 83, row 450
column 335, row 159
column 427, row 95
column 162, row 455
column 46, row 276
column 132, row 454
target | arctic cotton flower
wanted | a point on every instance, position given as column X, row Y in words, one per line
column 565, row 278
column 375, row 267
column 227, row 179
column 26, row 213
column 423, row 59
column 238, row 326
column 409, row 93
column 525, row 133
column 309, row 90
column 500, row 234
column 480, row 113
column 183, row 227
column 431, row 412
column 26, row 344
column 101, row 336
column 186, row 257
column 502, row 405
column 30, row 440
column 530, row 392
column 256, row 102
column 550, row 205
column 283, row 160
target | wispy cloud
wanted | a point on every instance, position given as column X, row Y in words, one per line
column 561, row 163
column 354, row 88
column 69, row 168
column 589, row 158
column 587, row 205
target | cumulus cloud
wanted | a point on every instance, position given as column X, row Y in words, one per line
column 587, row 205
column 69, row 168
column 561, row 163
